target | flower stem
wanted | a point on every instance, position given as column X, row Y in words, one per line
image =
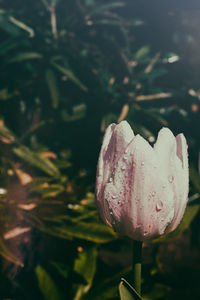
column 137, row 262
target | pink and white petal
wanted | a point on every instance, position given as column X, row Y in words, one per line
column 165, row 145
column 102, row 159
column 115, row 141
column 182, row 152
column 156, row 203
column 181, row 181
column 133, row 193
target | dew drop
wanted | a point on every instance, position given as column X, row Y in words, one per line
column 142, row 163
column 153, row 193
column 114, row 197
column 171, row 178
column 126, row 151
column 123, row 167
column 125, row 157
column 159, row 205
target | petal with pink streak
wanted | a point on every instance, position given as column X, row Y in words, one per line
column 115, row 142
column 181, row 182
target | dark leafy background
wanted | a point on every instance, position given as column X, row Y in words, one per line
column 68, row 69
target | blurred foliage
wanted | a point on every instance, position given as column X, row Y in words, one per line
column 68, row 69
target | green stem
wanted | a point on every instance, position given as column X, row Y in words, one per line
column 137, row 263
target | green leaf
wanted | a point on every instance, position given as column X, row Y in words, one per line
column 6, row 25
column 94, row 232
column 52, row 190
column 6, row 133
column 37, row 160
column 107, row 288
column 141, row 53
column 70, row 75
column 85, row 265
column 62, row 269
column 22, row 26
column 25, row 56
column 127, row 292
column 108, row 6
column 47, row 286
column 79, row 112
column 53, row 87
column 98, row 233
column 155, row 73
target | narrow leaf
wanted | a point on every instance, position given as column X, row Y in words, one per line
column 25, row 56
column 127, row 292
column 36, row 160
column 53, row 87
column 70, row 75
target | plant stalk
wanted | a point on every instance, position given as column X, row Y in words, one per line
column 137, row 263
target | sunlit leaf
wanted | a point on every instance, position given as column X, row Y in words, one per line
column 51, row 190
column 70, row 75
column 15, row 232
column 25, row 56
column 6, row 133
column 36, row 160
column 141, row 53
column 22, row 25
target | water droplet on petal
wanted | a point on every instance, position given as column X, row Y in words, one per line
column 126, row 151
column 153, row 193
column 159, row 205
column 171, row 178
column 110, row 180
column 114, row 197
column 125, row 157
column 123, row 167
column 142, row 163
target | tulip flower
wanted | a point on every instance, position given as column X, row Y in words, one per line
column 141, row 190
